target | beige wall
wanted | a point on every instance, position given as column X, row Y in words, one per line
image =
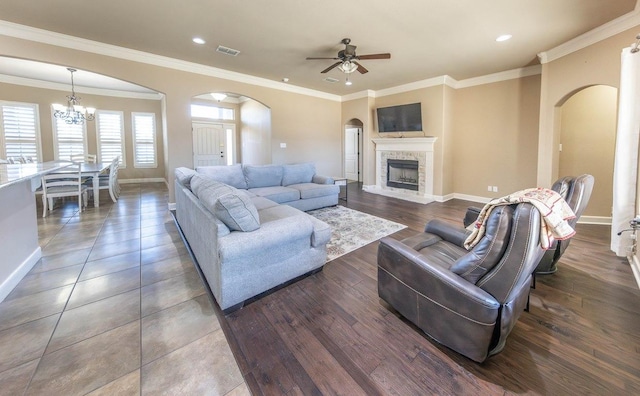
column 255, row 133
column 597, row 64
column 310, row 125
column 495, row 137
column 45, row 97
column 588, row 138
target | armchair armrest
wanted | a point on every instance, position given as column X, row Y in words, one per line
column 318, row 179
column 471, row 215
column 435, row 283
column 446, row 231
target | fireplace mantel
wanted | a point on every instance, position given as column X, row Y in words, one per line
column 417, row 148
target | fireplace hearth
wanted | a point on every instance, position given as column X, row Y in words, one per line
column 403, row 174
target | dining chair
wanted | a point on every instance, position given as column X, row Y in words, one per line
column 58, row 185
column 110, row 181
column 90, row 158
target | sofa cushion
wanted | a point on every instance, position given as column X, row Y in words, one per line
column 231, row 175
column 312, row 190
column 262, row 203
column 277, row 194
column 230, row 205
column 297, row 173
column 184, row 176
column 237, row 212
column 263, row 175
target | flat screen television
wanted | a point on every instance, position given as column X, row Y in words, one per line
column 403, row 118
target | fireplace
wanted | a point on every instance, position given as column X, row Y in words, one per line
column 402, row 174
column 404, row 168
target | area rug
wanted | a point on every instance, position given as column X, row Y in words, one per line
column 352, row 229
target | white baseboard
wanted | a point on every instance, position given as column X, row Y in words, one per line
column 635, row 267
column 16, row 276
column 601, row 220
column 472, row 198
column 172, row 206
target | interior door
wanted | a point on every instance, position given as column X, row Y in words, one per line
column 351, row 152
column 209, row 144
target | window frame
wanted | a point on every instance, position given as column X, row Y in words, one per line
column 136, row 163
column 37, row 130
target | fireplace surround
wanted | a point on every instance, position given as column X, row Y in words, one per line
column 418, row 150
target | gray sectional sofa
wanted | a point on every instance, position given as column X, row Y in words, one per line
column 246, row 229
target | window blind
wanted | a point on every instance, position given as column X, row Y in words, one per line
column 144, row 142
column 110, row 130
column 20, row 130
column 69, row 139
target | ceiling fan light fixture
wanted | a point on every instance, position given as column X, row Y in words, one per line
column 348, row 67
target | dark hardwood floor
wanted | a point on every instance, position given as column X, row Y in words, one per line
column 330, row 333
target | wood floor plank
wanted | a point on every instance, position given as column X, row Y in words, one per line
column 331, row 334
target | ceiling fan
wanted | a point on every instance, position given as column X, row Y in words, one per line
column 347, row 59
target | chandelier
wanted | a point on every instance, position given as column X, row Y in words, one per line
column 73, row 113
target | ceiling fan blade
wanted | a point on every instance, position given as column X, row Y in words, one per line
column 361, row 68
column 322, row 58
column 331, row 67
column 374, row 56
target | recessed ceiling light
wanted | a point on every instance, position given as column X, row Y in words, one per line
column 198, row 40
column 503, row 37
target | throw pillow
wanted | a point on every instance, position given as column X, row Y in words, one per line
column 298, row 173
column 208, row 191
column 237, row 212
column 184, row 176
column 263, row 175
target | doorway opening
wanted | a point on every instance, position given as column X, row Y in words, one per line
column 352, row 149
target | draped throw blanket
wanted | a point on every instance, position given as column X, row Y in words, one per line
column 553, row 209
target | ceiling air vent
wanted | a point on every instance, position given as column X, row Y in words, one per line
column 228, row 51
column 331, row 80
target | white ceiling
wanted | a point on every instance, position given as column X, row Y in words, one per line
column 426, row 38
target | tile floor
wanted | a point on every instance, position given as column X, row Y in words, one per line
column 114, row 307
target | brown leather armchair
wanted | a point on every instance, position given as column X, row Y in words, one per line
column 576, row 191
column 466, row 300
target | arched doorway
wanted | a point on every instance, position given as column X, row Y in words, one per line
column 230, row 128
column 352, row 150
column 587, row 144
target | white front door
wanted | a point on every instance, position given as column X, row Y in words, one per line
column 351, row 149
column 209, row 144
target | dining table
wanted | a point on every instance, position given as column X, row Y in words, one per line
column 93, row 170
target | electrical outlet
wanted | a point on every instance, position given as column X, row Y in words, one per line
column 283, row 145
column 488, row 188
column 495, row 188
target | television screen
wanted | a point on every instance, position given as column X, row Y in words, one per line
column 403, row 118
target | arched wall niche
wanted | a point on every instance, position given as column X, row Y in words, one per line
column 586, row 133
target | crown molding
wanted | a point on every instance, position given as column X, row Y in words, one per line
column 609, row 29
column 501, row 76
column 359, row 95
column 62, row 40
column 29, row 82
column 430, row 82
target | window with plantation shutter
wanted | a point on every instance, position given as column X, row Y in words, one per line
column 110, row 130
column 19, row 130
column 69, row 139
column 144, row 140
